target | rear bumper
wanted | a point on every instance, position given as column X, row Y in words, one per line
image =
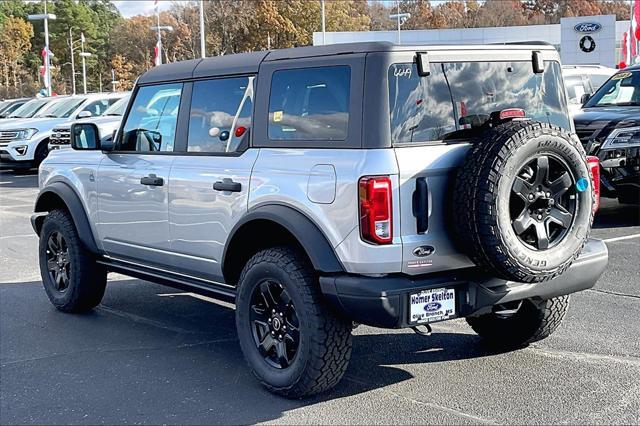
column 384, row 301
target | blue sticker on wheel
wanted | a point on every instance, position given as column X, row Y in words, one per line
column 582, row 184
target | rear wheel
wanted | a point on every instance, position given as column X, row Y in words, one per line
column 293, row 343
column 530, row 323
column 72, row 279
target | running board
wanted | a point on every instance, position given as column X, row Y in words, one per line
column 181, row 282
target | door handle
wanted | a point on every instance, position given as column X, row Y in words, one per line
column 227, row 185
column 152, row 180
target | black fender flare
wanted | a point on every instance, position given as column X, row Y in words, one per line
column 71, row 200
column 308, row 234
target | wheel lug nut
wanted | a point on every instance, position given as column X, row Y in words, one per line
column 273, row 311
column 269, row 320
column 273, row 333
column 539, row 216
column 548, row 194
column 280, row 336
column 531, row 196
column 284, row 327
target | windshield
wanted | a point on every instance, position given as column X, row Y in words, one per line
column 119, row 107
column 456, row 99
column 29, row 109
column 62, row 109
column 623, row 89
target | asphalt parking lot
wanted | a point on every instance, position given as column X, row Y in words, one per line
column 151, row 355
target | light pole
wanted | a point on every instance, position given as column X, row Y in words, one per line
column 202, row 47
column 47, row 57
column 324, row 36
column 402, row 18
column 159, row 28
column 83, row 54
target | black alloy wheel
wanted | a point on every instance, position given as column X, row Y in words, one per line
column 58, row 263
column 543, row 202
column 275, row 326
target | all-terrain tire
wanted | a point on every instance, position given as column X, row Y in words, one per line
column 530, row 324
column 325, row 338
column 481, row 201
column 86, row 279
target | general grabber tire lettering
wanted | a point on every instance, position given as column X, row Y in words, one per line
column 72, row 279
column 523, row 201
column 532, row 322
column 293, row 343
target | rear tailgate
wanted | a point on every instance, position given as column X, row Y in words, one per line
column 427, row 173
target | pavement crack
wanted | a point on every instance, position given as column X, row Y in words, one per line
column 474, row 419
column 614, row 293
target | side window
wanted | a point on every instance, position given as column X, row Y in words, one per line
column 96, row 108
column 220, row 116
column 151, row 123
column 310, row 104
column 575, row 88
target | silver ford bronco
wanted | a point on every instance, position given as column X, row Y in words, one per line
column 318, row 187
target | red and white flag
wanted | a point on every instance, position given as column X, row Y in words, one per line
column 157, row 51
column 634, row 33
column 44, row 70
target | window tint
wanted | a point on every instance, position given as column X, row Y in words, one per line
column 575, row 88
column 220, row 114
column 310, row 104
column 61, row 109
column 623, row 89
column 96, row 108
column 151, row 123
column 30, row 108
column 423, row 108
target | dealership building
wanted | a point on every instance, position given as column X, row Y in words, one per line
column 580, row 40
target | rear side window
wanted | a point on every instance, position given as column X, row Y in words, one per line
column 151, row 123
column 457, row 98
column 220, row 117
column 97, row 108
column 309, row 104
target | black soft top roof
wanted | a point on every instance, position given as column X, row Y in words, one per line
column 248, row 63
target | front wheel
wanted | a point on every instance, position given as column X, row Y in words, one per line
column 530, row 323
column 293, row 343
column 72, row 279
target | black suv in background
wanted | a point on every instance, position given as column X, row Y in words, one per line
column 609, row 127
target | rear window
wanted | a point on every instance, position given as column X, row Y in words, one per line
column 458, row 97
column 310, row 104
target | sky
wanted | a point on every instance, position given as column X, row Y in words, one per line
column 130, row 8
column 141, row 7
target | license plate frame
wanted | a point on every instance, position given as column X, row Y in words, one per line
column 432, row 305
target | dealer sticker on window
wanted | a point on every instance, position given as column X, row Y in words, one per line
column 432, row 305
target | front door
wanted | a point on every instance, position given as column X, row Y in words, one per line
column 209, row 182
column 133, row 201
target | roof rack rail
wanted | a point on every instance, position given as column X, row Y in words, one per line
column 532, row 42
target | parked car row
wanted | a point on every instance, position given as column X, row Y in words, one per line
column 27, row 130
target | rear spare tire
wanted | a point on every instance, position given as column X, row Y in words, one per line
column 523, row 201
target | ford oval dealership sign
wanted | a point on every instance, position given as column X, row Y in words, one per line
column 587, row 27
column 588, row 40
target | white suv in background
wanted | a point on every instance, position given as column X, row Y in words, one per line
column 580, row 80
column 107, row 124
column 24, row 143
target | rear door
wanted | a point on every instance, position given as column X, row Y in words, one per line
column 433, row 119
column 209, row 182
column 132, row 181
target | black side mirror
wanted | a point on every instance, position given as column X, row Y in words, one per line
column 537, row 62
column 85, row 137
column 585, row 97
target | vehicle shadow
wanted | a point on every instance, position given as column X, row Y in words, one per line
column 615, row 215
column 145, row 354
column 12, row 180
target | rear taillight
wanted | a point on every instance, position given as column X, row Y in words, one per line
column 594, row 167
column 375, row 209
